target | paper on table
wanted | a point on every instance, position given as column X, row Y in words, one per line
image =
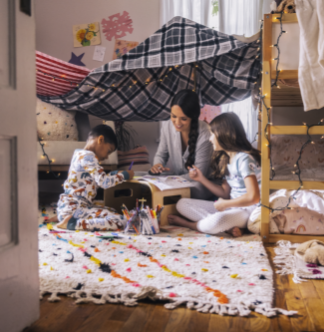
column 99, row 53
column 166, row 182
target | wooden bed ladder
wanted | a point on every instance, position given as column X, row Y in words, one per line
column 266, row 183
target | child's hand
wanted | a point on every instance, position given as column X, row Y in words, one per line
column 131, row 174
column 158, row 168
column 195, row 173
column 220, row 204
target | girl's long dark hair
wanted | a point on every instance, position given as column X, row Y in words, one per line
column 189, row 102
column 231, row 137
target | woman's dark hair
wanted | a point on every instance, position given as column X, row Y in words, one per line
column 188, row 101
column 106, row 132
column 231, row 137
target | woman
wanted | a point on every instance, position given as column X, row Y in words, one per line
column 184, row 141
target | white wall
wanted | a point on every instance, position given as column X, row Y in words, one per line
column 54, row 21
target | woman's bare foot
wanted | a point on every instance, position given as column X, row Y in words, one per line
column 178, row 221
column 64, row 223
column 235, row 232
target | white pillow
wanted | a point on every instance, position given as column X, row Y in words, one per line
column 54, row 124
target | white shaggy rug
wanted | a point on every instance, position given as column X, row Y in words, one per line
column 207, row 273
column 288, row 263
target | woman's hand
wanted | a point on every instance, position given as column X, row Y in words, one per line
column 195, row 174
column 158, row 168
column 220, row 204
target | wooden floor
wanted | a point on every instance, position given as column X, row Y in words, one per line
column 307, row 298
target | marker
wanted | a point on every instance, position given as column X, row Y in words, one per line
column 131, row 165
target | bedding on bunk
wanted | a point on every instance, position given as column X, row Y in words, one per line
column 305, row 217
column 285, row 151
column 310, row 14
column 140, row 85
column 49, row 68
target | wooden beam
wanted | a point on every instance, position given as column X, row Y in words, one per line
column 296, row 130
column 265, row 158
column 286, row 18
column 285, row 74
column 319, row 185
column 267, row 38
column 295, row 238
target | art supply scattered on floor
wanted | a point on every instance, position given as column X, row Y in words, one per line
column 142, row 220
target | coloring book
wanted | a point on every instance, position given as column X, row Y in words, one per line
column 166, row 182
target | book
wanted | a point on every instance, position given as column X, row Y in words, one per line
column 166, row 182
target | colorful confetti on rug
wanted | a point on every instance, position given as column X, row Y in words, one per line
column 207, row 273
column 288, row 263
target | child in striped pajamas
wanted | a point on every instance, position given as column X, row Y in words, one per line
column 75, row 208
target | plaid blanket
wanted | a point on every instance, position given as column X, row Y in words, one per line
column 140, row 85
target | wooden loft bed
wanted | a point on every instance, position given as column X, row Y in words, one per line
column 279, row 97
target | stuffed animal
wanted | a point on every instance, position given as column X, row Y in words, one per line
column 311, row 252
column 286, row 6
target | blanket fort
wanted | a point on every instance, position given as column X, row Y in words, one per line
column 183, row 54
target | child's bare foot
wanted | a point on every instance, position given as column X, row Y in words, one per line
column 235, row 232
column 64, row 223
column 176, row 220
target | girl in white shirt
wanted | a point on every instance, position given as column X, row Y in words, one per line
column 237, row 163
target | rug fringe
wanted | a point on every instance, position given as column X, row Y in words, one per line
column 286, row 261
column 131, row 299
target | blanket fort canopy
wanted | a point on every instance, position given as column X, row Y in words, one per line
column 206, row 273
column 183, row 54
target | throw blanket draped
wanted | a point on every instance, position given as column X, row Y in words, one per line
column 140, row 85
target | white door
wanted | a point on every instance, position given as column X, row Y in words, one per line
column 19, row 290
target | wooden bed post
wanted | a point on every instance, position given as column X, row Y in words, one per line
column 265, row 151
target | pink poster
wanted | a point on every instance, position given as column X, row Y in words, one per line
column 208, row 113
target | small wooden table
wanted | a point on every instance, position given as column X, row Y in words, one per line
column 127, row 193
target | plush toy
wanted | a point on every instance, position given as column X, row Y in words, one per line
column 311, row 252
column 286, row 6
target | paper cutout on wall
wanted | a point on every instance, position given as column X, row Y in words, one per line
column 86, row 34
column 99, row 53
column 76, row 59
column 117, row 25
column 122, row 47
column 208, row 113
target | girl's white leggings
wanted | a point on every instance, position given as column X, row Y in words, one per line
column 211, row 221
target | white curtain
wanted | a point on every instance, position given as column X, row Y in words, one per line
column 195, row 10
column 242, row 17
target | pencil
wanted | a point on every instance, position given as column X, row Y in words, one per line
column 131, row 165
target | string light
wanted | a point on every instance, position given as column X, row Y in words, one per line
column 45, row 155
column 278, row 51
column 309, row 140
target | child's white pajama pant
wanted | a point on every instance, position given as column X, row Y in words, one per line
column 211, row 221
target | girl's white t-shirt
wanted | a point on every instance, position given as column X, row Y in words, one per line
column 241, row 166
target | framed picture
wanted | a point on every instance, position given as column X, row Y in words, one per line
column 86, row 34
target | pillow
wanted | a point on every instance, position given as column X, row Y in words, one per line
column 54, row 124
column 139, row 155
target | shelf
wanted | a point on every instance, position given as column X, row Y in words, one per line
column 319, row 185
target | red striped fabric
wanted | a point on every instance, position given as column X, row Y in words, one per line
column 53, row 76
column 139, row 155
